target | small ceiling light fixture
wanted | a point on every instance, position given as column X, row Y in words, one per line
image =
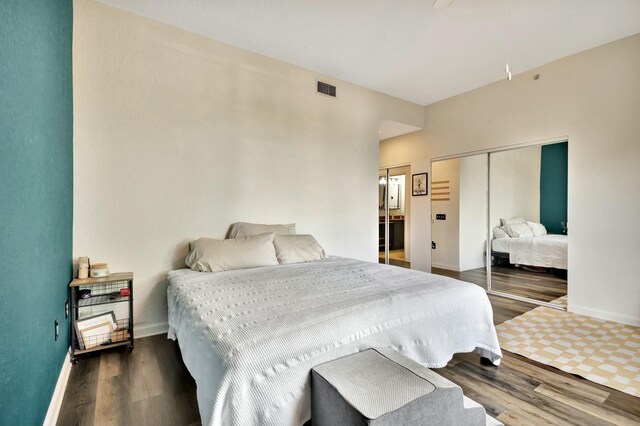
column 506, row 67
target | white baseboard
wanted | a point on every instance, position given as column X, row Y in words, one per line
column 149, row 329
column 472, row 266
column 447, row 267
column 609, row 316
column 58, row 394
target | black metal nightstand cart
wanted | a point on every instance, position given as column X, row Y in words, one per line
column 93, row 326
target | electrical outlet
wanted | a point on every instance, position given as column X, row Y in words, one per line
column 66, row 309
column 441, row 216
column 433, row 245
column 57, row 330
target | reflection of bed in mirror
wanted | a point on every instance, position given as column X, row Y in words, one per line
column 526, row 243
column 547, row 251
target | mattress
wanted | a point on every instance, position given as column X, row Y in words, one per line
column 549, row 251
column 501, row 244
column 250, row 337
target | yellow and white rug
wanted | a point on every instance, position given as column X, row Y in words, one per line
column 604, row 352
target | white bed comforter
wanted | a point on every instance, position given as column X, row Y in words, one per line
column 549, row 251
column 250, row 337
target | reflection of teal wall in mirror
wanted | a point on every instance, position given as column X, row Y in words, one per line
column 553, row 186
column 36, row 202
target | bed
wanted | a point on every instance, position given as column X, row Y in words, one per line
column 548, row 251
column 250, row 337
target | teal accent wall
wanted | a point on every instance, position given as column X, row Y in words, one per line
column 36, row 202
column 553, row 186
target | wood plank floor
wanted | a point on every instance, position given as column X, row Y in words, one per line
column 525, row 392
column 151, row 386
column 396, row 258
column 542, row 286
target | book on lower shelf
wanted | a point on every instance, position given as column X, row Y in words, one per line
column 101, row 329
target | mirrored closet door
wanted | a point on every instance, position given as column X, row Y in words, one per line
column 459, row 218
column 528, row 222
column 499, row 220
column 393, row 214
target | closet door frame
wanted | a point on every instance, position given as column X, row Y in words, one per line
column 387, row 173
column 489, row 151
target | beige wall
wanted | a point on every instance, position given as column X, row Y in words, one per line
column 473, row 202
column 515, row 184
column 460, row 239
column 446, row 233
column 177, row 136
column 593, row 98
column 411, row 150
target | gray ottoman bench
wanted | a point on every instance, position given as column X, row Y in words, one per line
column 382, row 387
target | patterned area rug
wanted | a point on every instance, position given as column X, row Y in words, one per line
column 604, row 352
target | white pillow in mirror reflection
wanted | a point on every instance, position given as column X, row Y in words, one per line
column 499, row 232
column 512, row 221
column 518, row 230
column 537, row 229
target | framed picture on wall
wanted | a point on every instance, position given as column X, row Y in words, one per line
column 419, row 184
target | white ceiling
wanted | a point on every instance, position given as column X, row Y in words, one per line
column 404, row 48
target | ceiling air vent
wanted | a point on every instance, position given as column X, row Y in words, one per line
column 326, row 89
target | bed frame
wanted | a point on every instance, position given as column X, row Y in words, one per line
column 499, row 258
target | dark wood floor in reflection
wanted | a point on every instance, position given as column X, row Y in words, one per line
column 397, row 262
column 396, row 258
column 544, row 286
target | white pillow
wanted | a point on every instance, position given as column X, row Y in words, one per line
column 537, row 229
column 500, row 232
column 518, row 230
column 211, row 255
column 242, row 229
column 297, row 248
column 512, row 221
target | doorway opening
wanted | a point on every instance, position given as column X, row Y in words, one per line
column 393, row 216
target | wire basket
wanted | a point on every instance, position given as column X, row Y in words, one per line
column 102, row 335
column 100, row 294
